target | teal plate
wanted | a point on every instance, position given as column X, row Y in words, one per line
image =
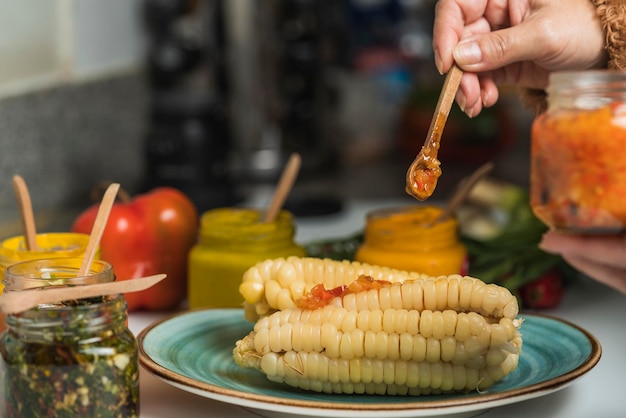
column 193, row 351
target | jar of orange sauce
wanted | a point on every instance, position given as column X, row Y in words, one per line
column 578, row 153
column 49, row 245
column 409, row 239
column 231, row 241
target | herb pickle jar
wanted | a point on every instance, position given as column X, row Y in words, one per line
column 578, row 153
column 75, row 358
column 231, row 241
column 49, row 245
column 409, row 239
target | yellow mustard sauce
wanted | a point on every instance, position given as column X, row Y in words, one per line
column 231, row 241
column 407, row 239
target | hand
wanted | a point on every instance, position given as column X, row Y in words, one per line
column 514, row 42
column 602, row 258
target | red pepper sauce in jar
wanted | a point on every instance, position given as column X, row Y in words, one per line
column 578, row 153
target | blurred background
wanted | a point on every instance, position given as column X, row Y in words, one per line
column 212, row 96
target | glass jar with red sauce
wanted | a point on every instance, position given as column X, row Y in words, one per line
column 578, row 153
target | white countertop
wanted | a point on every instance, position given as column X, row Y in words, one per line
column 598, row 309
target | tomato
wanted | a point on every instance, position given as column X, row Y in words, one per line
column 149, row 234
column 544, row 292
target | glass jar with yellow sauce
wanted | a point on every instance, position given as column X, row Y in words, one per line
column 49, row 245
column 578, row 153
column 231, row 241
column 409, row 239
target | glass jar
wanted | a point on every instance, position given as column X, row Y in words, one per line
column 69, row 359
column 231, row 241
column 406, row 239
column 49, row 245
column 578, row 153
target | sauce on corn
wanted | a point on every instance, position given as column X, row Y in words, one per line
column 319, row 296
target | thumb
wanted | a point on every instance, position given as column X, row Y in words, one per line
column 494, row 50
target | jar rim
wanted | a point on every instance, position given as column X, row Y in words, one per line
column 582, row 79
column 589, row 74
column 55, row 271
column 244, row 223
column 50, row 244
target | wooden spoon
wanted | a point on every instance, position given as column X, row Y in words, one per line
column 21, row 300
column 464, row 188
column 26, row 212
column 98, row 227
column 283, row 188
column 422, row 176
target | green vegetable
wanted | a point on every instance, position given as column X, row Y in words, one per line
column 335, row 249
column 512, row 258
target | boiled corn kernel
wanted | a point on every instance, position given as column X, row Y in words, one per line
column 276, row 284
column 420, row 335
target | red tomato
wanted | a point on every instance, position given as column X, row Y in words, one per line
column 150, row 234
column 545, row 292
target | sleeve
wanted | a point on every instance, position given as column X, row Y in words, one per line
column 612, row 14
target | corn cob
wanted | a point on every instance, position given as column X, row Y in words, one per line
column 421, row 336
column 276, row 284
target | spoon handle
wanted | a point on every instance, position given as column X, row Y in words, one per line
column 444, row 104
column 18, row 301
column 98, row 227
column 423, row 173
column 283, row 188
column 26, row 212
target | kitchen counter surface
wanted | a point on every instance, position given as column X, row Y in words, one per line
column 588, row 304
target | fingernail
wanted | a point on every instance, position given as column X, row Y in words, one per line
column 461, row 101
column 470, row 112
column 438, row 63
column 468, row 52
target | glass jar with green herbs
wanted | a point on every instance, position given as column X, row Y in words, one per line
column 76, row 358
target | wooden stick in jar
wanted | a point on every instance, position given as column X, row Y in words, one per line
column 21, row 300
column 283, row 188
column 26, row 212
column 98, row 227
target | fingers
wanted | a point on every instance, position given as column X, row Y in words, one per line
column 447, row 30
column 454, row 22
column 496, row 49
column 610, row 250
column 602, row 258
column 611, row 276
column 475, row 93
column 452, row 19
